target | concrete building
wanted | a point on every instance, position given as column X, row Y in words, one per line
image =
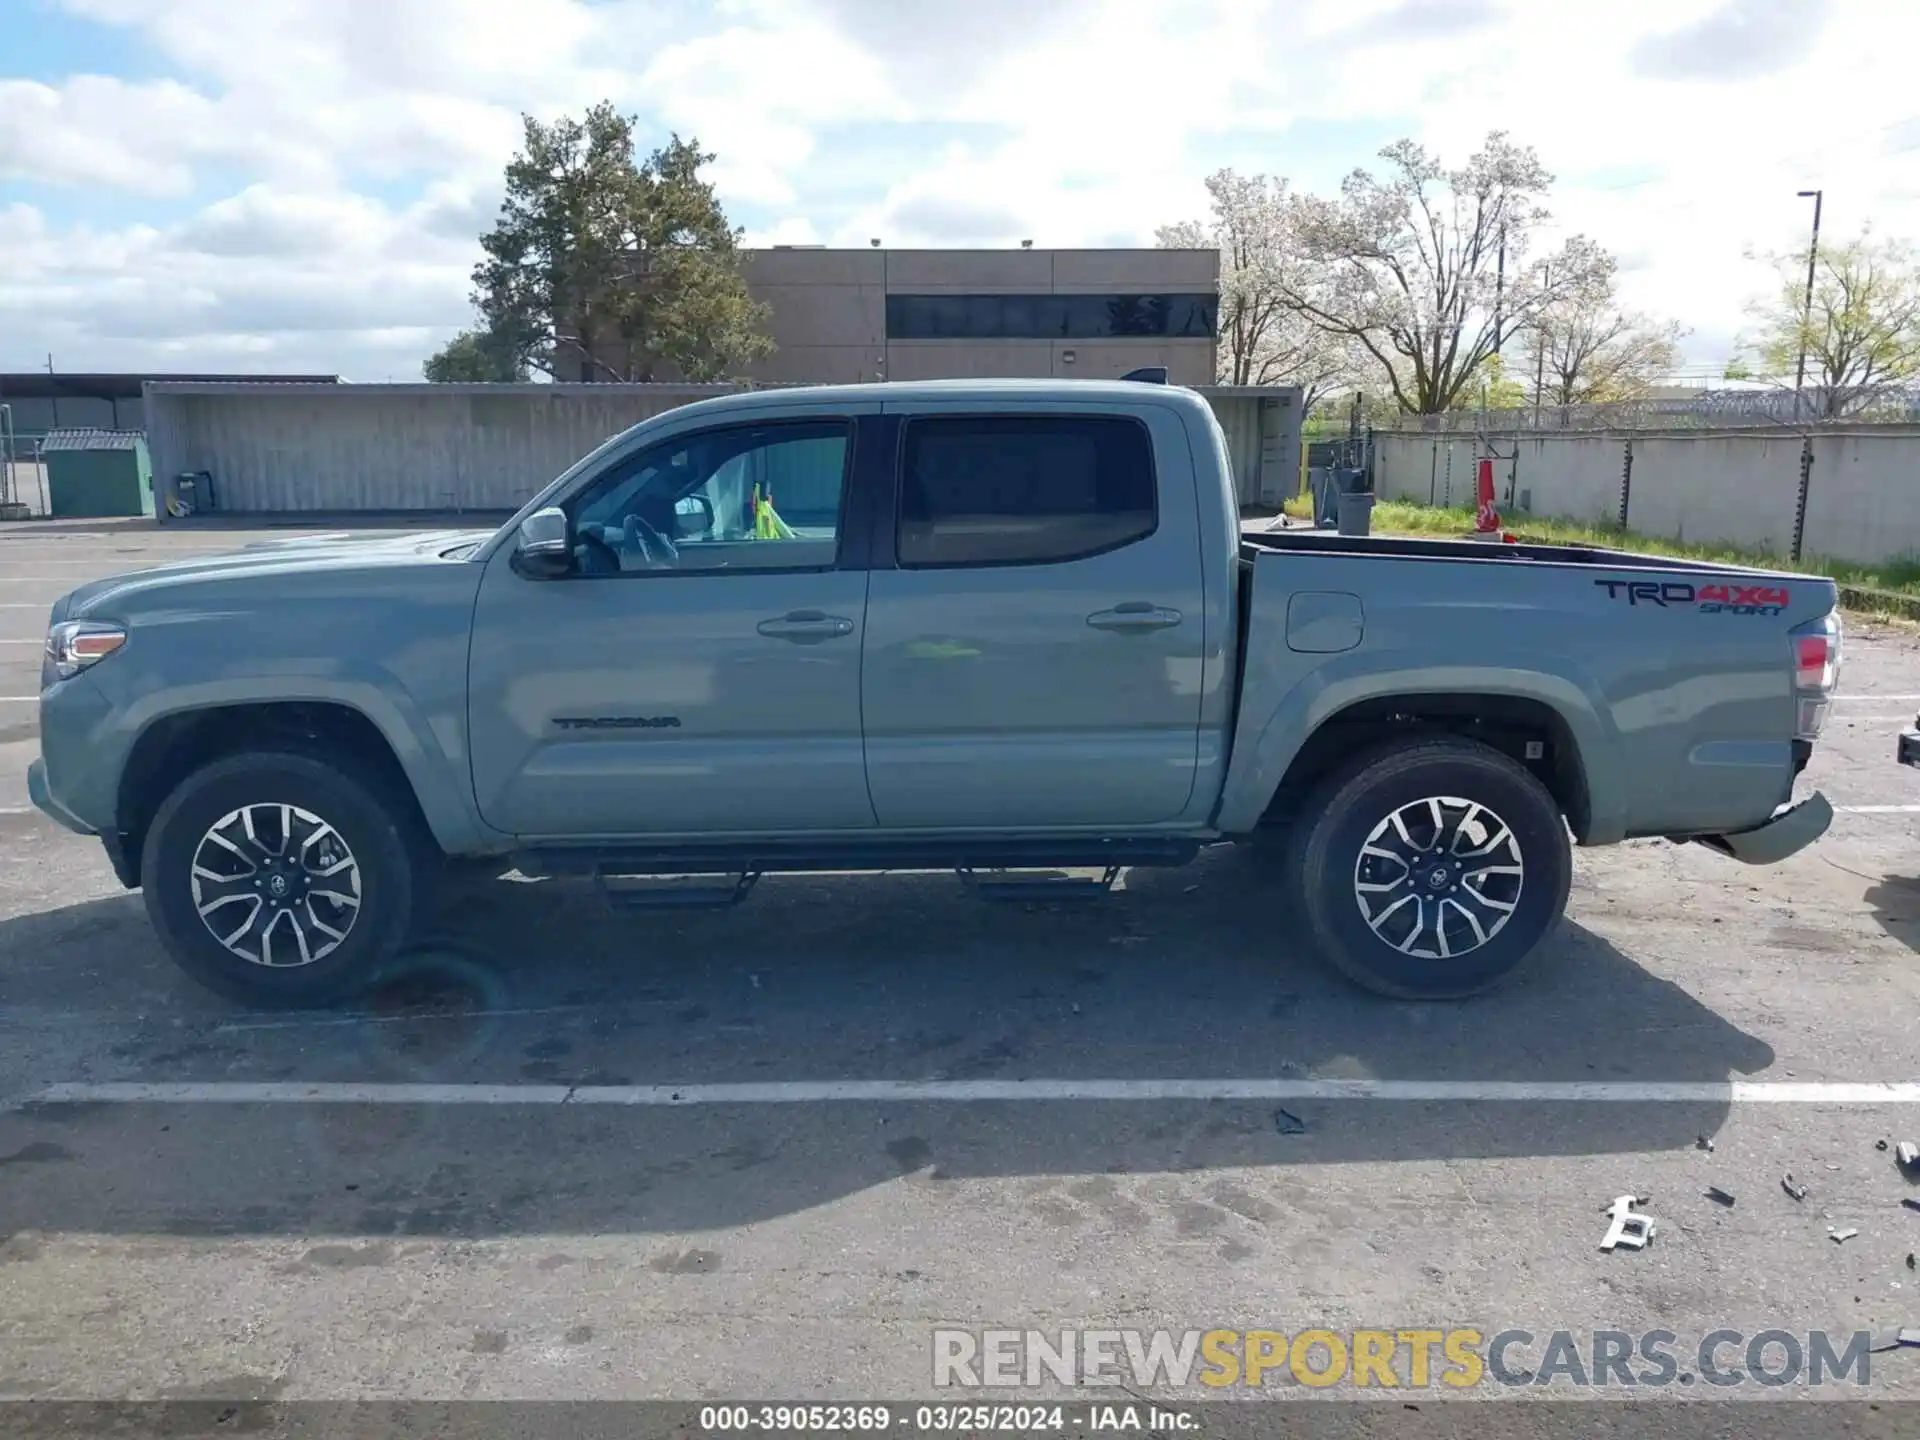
column 840, row 316
column 851, row 315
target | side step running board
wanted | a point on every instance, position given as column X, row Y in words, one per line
column 675, row 892
column 1037, row 884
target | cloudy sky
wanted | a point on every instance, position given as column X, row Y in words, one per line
column 298, row 184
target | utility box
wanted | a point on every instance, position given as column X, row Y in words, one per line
column 93, row 474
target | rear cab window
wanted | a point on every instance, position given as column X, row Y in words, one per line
column 1023, row 489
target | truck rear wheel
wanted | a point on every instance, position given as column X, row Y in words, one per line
column 277, row 879
column 1431, row 870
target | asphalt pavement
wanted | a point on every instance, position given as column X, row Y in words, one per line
column 590, row 1154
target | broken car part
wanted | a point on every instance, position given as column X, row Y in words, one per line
column 1632, row 1230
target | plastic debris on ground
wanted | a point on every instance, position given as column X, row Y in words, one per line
column 1719, row 1196
column 1628, row 1228
column 1793, row 1188
column 1288, row 1123
column 1841, row 1236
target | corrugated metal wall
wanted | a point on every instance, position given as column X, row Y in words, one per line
column 1263, row 437
column 274, row 449
column 277, row 449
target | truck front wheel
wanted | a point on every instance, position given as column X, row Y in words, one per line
column 1432, row 869
column 279, row 879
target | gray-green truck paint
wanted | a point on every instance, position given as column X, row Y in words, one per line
column 1186, row 687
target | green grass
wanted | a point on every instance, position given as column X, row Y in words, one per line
column 1897, row 580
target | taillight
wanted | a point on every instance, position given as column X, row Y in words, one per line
column 1815, row 657
column 1816, row 673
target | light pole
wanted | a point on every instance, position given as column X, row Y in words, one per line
column 1540, row 348
column 1806, row 319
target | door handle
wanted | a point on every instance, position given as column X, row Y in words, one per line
column 805, row 627
column 1134, row 615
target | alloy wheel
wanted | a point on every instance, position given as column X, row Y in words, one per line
column 276, row 885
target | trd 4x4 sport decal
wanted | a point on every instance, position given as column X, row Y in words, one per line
column 1707, row 599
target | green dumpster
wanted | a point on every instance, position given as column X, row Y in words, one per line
column 96, row 473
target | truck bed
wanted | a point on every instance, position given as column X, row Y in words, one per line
column 1322, row 542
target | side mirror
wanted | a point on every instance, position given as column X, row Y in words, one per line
column 544, row 548
column 692, row 517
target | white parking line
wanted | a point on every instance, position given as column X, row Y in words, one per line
column 816, row 1092
column 1877, row 697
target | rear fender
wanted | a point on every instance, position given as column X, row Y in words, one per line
column 1265, row 744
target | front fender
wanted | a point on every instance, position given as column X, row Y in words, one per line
column 1269, row 735
column 430, row 748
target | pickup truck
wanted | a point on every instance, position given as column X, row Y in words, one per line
column 1005, row 627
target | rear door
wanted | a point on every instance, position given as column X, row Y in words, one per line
column 1035, row 627
column 699, row 672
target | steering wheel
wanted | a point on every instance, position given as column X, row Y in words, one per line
column 644, row 542
column 600, row 558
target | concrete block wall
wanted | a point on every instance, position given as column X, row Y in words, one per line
column 1738, row 488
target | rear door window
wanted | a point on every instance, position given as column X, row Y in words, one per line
column 1023, row 489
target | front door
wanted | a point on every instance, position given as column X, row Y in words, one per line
column 698, row 673
column 1035, row 651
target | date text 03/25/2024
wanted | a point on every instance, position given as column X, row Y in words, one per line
column 946, row 1418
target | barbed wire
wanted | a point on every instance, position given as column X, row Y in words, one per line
column 1706, row 410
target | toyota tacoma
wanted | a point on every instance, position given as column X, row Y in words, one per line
column 1005, row 627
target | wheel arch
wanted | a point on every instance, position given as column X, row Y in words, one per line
column 1313, row 733
column 175, row 745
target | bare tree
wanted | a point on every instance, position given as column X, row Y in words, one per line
column 1262, row 339
column 1863, row 332
column 1585, row 348
column 1428, row 270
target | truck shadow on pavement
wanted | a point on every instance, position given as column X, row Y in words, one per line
column 1192, row 973
column 1895, row 902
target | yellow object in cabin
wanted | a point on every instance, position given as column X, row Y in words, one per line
column 767, row 524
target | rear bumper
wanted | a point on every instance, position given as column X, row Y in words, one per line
column 1787, row 833
column 1910, row 747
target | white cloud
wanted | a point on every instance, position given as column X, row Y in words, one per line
column 287, row 281
column 1681, row 130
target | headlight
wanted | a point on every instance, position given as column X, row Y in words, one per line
column 73, row 645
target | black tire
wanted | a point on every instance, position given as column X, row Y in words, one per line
column 383, row 840
column 1365, row 794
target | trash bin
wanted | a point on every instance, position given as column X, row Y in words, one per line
column 96, row 473
column 1356, row 512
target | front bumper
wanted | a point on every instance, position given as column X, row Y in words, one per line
column 41, row 794
column 1909, row 751
column 126, row 865
column 1787, row 833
